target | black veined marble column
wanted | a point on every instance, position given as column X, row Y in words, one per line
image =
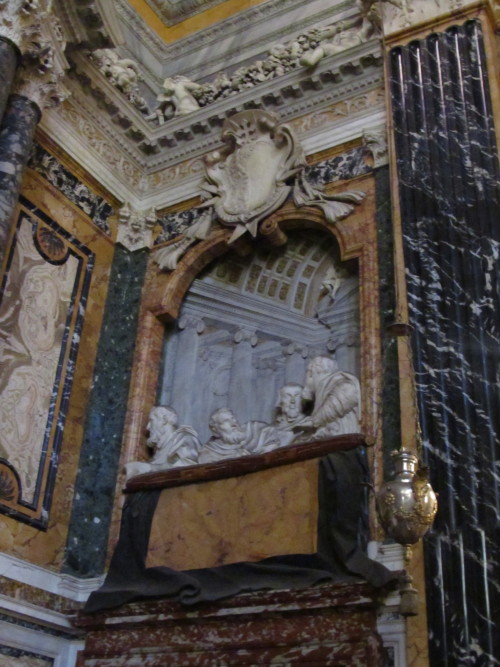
column 17, row 132
column 449, row 196
column 9, row 57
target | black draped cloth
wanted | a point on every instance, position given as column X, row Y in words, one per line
column 342, row 534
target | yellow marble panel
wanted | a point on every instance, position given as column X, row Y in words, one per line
column 269, row 513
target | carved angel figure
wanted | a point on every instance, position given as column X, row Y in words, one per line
column 176, row 99
column 122, row 72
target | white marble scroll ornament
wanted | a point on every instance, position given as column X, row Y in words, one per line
column 173, row 446
column 261, row 164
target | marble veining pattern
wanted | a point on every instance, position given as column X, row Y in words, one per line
column 8, row 64
column 450, row 195
column 341, row 167
column 95, row 484
column 91, row 204
column 39, row 353
column 16, row 137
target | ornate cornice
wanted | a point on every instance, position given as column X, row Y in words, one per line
column 263, row 20
column 355, row 71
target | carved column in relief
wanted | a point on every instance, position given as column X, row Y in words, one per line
column 242, row 373
column 185, row 367
column 295, row 363
column 36, row 86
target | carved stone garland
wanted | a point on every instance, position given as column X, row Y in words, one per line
column 261, row 164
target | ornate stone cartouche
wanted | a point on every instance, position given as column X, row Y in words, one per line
column 407, row 504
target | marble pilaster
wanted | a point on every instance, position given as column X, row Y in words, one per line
column 242, row 372
column 16, row 138
column 449, row 195
column 98, row 468
column 8, row 62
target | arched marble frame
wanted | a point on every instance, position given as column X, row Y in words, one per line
column 163, row 294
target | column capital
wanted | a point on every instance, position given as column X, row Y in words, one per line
column 135, row 229
column 42, row 44
column 295, row 348
column 191, row 322
column 246, row 335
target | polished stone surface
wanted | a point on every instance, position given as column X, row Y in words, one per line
column 95, row 484
column 450, row 195
column 329, row 625
column 16, row 138
column 45, row 548
column 42, row 307
column 8, row 64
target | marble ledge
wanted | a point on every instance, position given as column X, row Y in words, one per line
column 65, row 585
column 243, row 465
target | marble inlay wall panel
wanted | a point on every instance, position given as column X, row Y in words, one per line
column 50, row 334
column 449, row 197
column 44, row 294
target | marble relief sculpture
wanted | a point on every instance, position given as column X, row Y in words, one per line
column 173, row 445
column 334, row 405
column 304, row 50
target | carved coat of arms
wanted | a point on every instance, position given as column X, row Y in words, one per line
column 248, row 178
column 260, row 165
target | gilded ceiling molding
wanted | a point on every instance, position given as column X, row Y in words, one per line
column 266, row 16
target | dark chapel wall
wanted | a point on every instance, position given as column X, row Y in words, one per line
column 449, row 194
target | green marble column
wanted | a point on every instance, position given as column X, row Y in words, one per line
column 17, row 132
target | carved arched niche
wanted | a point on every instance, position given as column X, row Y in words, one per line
column 164, row 292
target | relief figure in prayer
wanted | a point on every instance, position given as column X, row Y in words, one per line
column 336, row 399
column 173, row 446
column 230, row 440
